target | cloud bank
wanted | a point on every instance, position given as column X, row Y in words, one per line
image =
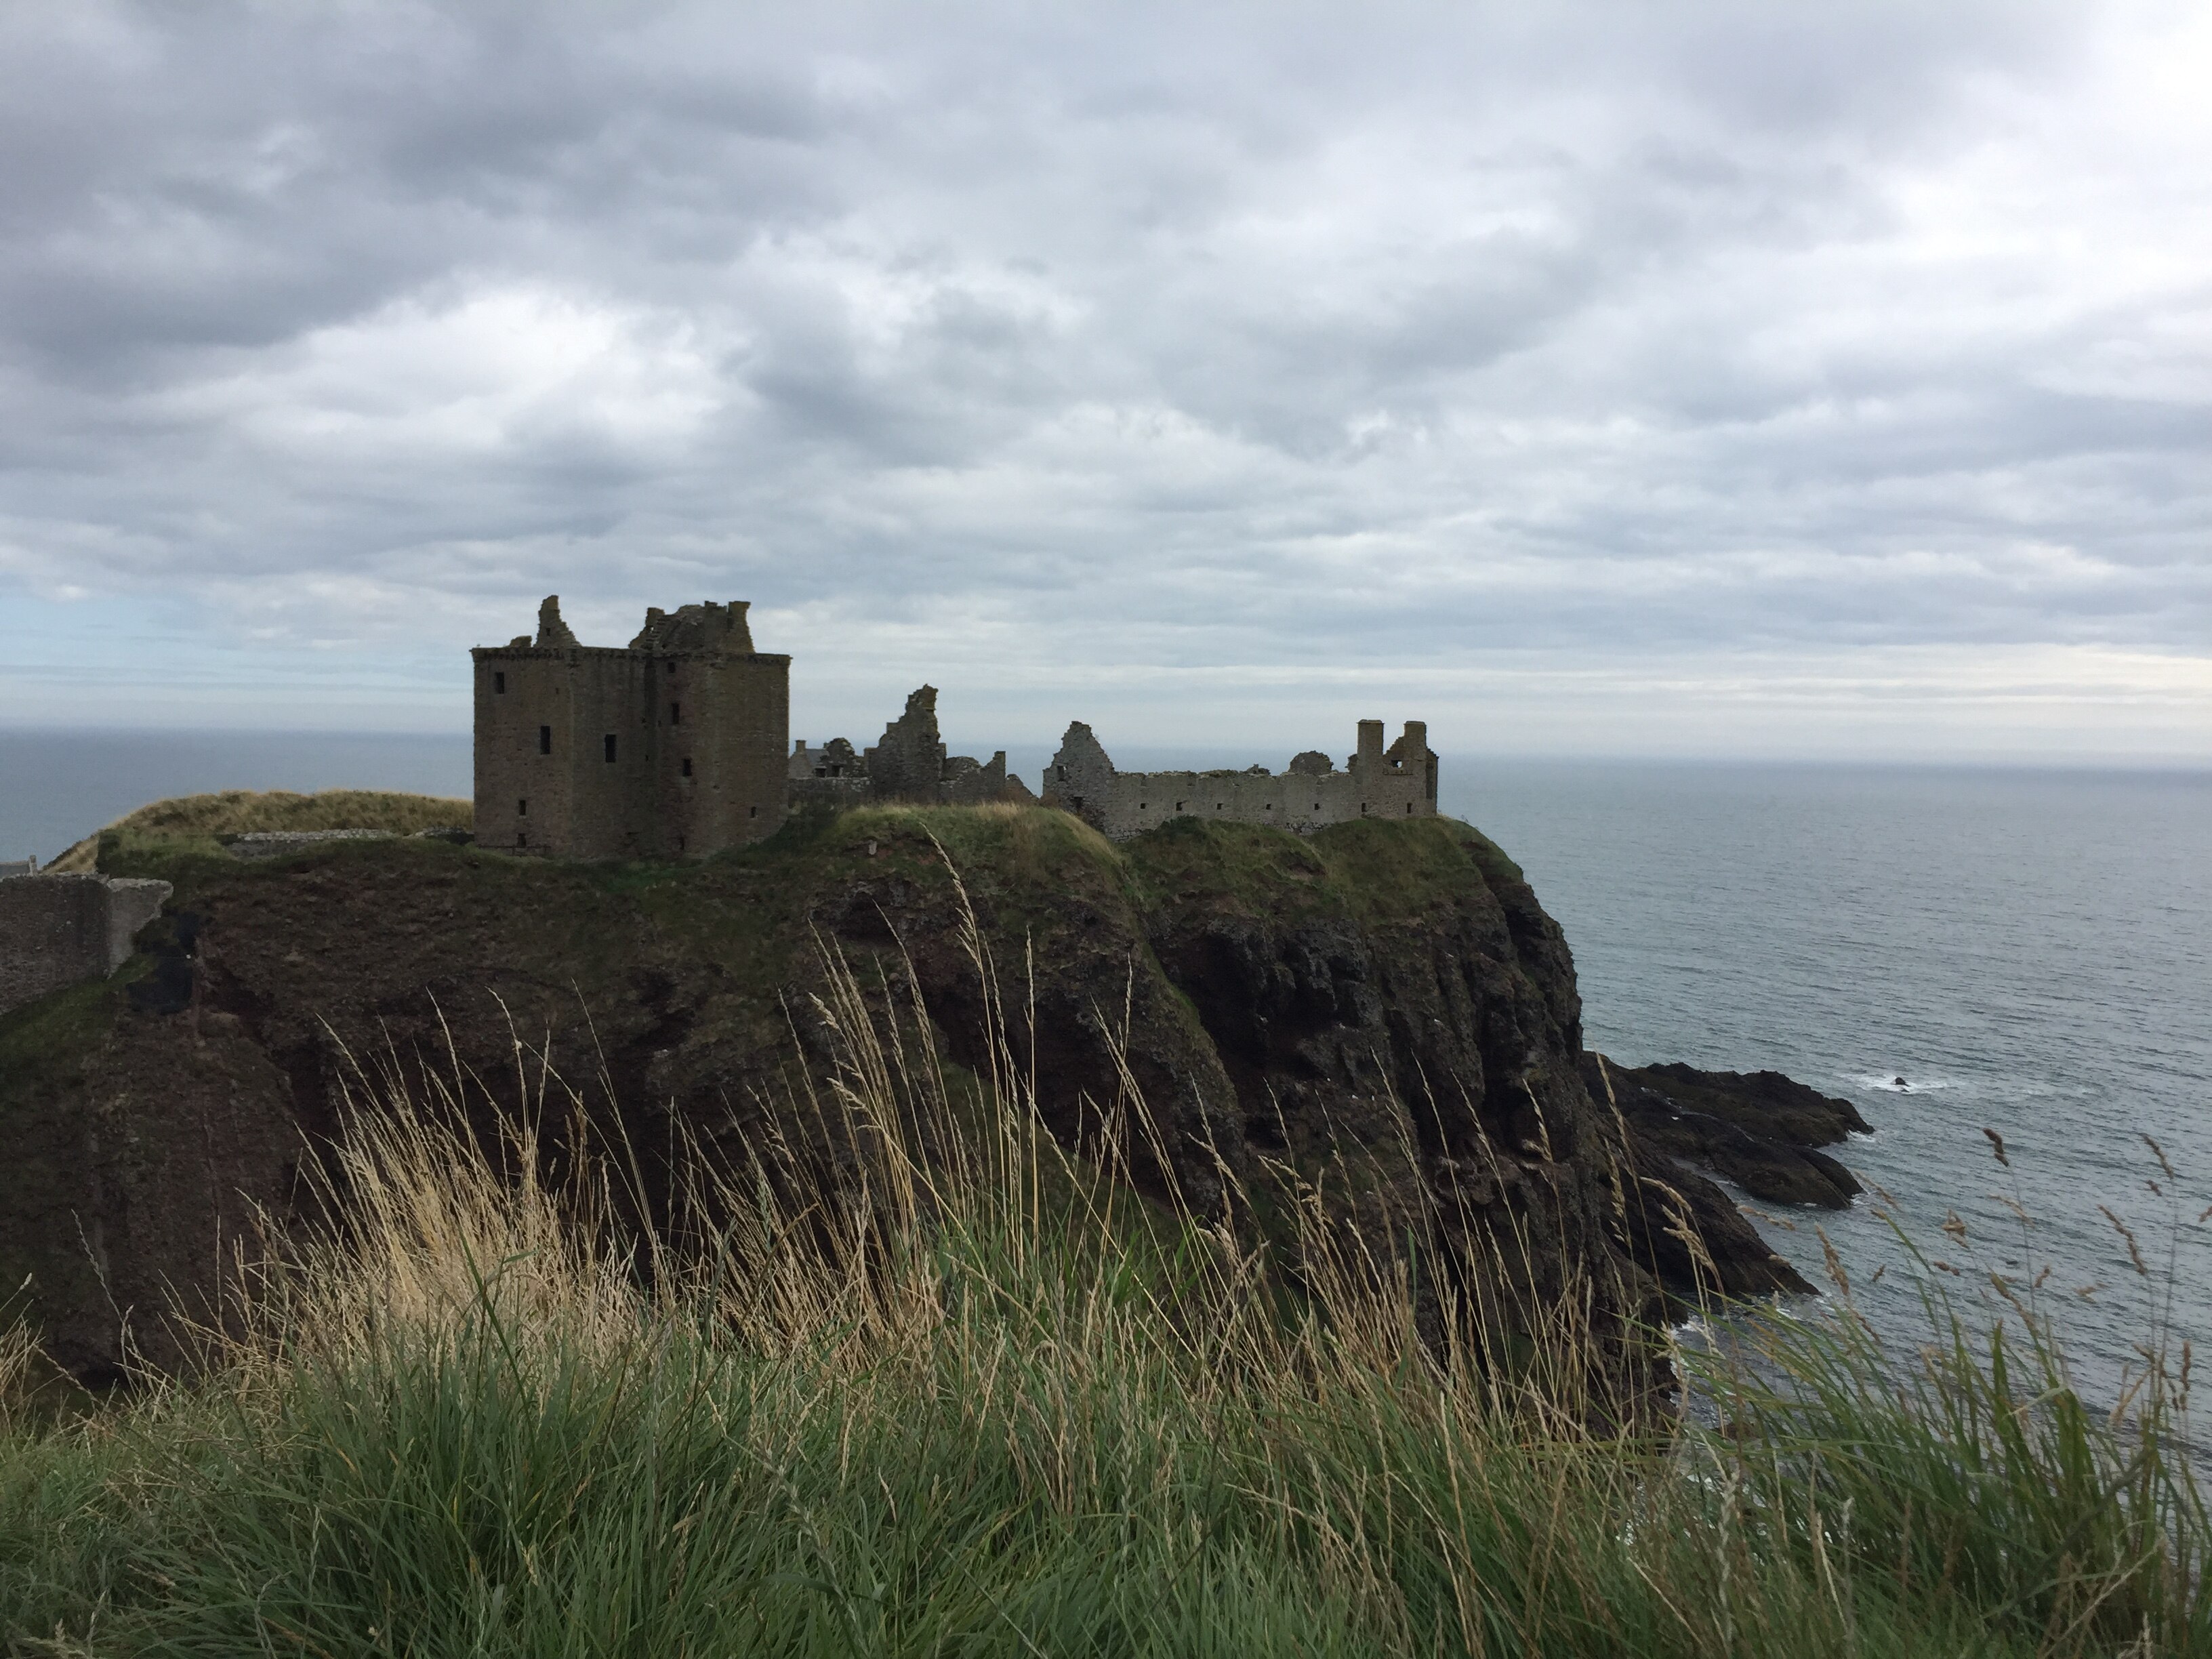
column 1604, row 379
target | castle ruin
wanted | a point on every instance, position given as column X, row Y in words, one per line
column 672, row 747
column 675, row 746
column 1397, row 782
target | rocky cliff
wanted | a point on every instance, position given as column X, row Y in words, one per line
column 1380, row 1013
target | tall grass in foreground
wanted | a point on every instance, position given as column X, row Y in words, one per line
column 930, row 1386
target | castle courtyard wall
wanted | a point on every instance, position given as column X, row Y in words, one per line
column 1378, row 784
column 58, row 930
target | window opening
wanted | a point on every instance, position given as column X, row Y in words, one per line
column 545, row 740
column 611, row 748
column 522, row 809
column 498, row 680
column 752, row 811
column 687, row 766
column 671, row 667
column 675, row 713
column 522, row 838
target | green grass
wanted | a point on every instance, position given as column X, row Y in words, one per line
column 54, row 1034
column 199, row 820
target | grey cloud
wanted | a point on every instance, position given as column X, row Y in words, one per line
column 1248, row 335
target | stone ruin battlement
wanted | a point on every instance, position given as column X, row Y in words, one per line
column 1396, row 782
column 907, row 764
column 677, row 746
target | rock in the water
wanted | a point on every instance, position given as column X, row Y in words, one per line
column 1758, row 1129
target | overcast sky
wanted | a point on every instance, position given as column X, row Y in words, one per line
column 1651, row 378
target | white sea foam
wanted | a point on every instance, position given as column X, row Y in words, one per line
column 1893, row 1082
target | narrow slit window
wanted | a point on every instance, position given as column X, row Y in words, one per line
column 672, row 668
column 522, row 808
column 498, row 682
column 522, row 838
column 752, row 811
column 687, row 766
column 611, row 748
column 545, row 740
column 675, row 713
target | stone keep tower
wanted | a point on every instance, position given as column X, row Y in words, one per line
column 672, row 748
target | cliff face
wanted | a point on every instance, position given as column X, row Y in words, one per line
column 1382, row 1010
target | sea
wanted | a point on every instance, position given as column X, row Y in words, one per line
column 1960, row 951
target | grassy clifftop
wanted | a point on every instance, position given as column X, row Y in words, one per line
column 201, row 818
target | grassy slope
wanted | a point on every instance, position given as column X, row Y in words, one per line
column 242, row 811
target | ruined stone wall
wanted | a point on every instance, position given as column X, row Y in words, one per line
column 834, row 775
column 907, row 764
column 56, row 930
column 1399, row 782
column 611, row 776
column 526, row 736
column 735, row 792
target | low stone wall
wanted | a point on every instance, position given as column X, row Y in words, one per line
column 275, row 843
column 1397, row 782
column 56, row 930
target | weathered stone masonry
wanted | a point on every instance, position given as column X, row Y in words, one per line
column 1397, row 782
column 58, row 930
column 908, row 764
column 672, row 747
